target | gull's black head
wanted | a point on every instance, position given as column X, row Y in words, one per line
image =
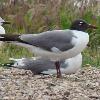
column 81, row 25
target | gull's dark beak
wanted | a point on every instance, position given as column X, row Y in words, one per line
column 6, row 22
column 92, row 26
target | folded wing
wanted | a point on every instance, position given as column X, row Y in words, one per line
column 59, row 39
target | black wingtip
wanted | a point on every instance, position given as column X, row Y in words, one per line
column 3, row 37
column 8, row 37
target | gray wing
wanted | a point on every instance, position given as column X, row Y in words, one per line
column 39, row 65
column 36, row 66
column 60, row 39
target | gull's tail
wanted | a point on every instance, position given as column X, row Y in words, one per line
column 7, row 37
column 13, row 38
column 10, row 64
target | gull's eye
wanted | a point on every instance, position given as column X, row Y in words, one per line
column 81, row 23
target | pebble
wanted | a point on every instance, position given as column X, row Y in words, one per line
column 22, row 84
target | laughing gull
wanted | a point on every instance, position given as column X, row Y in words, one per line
column 55, row 45
column 2, row 30
column 45, row 66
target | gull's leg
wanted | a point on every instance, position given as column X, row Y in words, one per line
column 57, row 64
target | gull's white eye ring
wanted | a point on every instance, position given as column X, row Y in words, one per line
column 81, row 22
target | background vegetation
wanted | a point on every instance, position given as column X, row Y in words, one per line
column 34, row 16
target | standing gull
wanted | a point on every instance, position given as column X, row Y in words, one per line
column 55, row 45
column 2, row 30
column 45, row 66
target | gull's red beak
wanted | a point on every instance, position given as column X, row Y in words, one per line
column 92, row 26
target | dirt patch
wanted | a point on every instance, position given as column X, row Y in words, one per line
column 20, row 84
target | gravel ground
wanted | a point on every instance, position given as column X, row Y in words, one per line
column 17, row 84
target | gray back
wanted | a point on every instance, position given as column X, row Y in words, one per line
column 60, row 39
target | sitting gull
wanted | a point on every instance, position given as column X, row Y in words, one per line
column 55, row 45
column 45, row 66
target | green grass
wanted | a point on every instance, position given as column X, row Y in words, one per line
column 91, row 57
column 9, row 50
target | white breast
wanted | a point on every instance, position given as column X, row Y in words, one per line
column 71, row 66
column 80, row 43
column 2, row 31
